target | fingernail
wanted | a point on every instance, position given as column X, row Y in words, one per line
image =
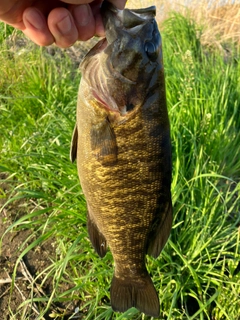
column 65, row 25
column 81, row 15
column 35, row 19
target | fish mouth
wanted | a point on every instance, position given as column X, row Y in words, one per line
column 118, row 21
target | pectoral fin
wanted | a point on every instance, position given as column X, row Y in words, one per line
column 103, row 143
column 74, row 144
column 160, row 231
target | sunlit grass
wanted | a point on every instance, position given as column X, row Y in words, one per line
column 197, row 275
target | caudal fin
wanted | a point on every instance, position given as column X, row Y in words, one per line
column 139, row 294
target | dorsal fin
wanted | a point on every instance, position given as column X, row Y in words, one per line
column 159, row 235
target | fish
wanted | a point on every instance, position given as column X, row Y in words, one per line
column 121, row 143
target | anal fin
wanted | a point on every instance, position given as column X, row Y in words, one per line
column 97, row 239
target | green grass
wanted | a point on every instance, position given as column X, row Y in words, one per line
column 197, row 275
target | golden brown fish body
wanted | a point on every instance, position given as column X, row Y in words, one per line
column 122, row 145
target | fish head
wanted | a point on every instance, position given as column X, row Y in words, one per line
column 123, row 67
column 134, row 42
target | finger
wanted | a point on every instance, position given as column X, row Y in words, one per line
column 100, row 31
column 99, row 28
column 36, row 28
column 62, row 26
column 84, row 21
column 77, row 1
column 120, row 4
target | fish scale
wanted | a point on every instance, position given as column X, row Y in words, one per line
column 124, row 154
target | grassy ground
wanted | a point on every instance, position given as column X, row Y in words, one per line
column 198, row 273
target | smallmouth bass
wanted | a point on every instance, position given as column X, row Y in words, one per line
column 122, row 145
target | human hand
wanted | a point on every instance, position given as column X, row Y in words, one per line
column 63, row 22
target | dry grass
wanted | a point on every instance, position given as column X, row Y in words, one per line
column 223, row 25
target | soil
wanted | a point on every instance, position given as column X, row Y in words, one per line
column 31, row 264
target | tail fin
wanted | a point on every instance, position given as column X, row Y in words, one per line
column 139, row 294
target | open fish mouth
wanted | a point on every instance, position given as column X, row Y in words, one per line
column 126, row 25
column 131, row 20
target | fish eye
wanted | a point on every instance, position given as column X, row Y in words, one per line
column 151, row 51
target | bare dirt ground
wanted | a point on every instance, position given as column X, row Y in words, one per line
column 12, row 296
column 15, row 297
